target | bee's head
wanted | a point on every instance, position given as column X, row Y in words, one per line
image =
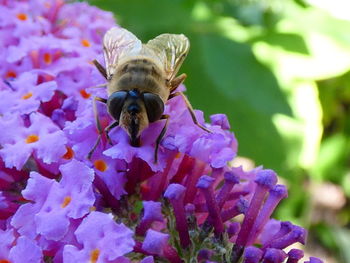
column 135, row 111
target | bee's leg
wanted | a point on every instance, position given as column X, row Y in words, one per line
column 100, row 85
column 177, row 81
column 98, row 125
column 190, row 109
column 160, row 136
column 100, row 68
column 108, row 129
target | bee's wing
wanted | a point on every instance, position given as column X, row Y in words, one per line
column 171, row 50
column 118, row 42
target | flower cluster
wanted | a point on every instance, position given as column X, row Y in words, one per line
column 56, row 205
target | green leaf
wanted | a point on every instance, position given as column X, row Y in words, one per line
column 289, row 41
column 332, row 159
column 227, row 78
column 342, row 238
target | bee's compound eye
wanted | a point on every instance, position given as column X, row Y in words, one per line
column 115, row 103
column 154, row 106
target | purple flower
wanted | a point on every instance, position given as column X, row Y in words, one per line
column 14, row 249
column 175, row 193
column 41, row 138
column 57, row 205
column 7, row 238
column 294, row 255
column 27, row 249
column 252, row 255
column 155, row 242
column 147, row 260
column 152, row 212
column 108, row 241
column 220, row 120
column 24, row 94
column 314, row 260
column 107, row 170
column 273, row 255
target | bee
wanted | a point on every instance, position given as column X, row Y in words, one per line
column 141, row 78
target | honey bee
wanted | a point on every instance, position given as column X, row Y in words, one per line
column 141, row 78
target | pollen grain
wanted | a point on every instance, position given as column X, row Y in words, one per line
column 22, row 16
column 27, row 96
column 66, row 201
column 32, row 138
column 84, row 94
column 178, row 155
column 94, row 255
column 10, row 74
column 69, row 153
column 85, row 43
column 100, row 165
column 47, row 58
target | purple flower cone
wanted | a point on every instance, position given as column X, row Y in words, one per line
column 119, row 206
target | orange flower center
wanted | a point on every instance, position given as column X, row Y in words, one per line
column 66, row 201
column 69, row 153
column 27, row 96
column 32, row 138
column 4, row 261
column 85, row 43
column 11, row 74
column 22, row 16
column 47, row 58
column 100, row 165
column 94, row 255
column 84, row 94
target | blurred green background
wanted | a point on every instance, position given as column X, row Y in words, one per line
column 280, row 70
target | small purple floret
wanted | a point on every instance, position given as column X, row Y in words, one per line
column 110, row 239
column 315, row 260
column 273, row 255
column 204, row 254
column 239, row 208
column 147, row 260
column 242, row 205
column 174, row 191
column 155, row 242
column 205, row 182
column 27, row 249
column 266, row 178
column 233, row 229
column 252, row 255
column 298, row 234
column 294, row 255
column 190, row 209
column 269, row 236
column 231, row 177
column 230, row 180
column 280, row 191
column 275, row 195
column 152, row 211
column 220, row 120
